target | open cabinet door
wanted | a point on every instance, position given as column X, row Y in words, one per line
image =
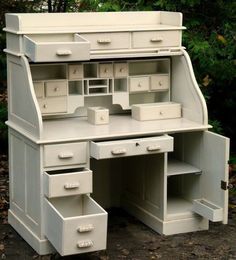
column 215, row 155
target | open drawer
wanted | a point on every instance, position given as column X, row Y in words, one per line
column 208, row 210
column 75, row 224
column 56, row 47
column 130, row 147
column 67, row 182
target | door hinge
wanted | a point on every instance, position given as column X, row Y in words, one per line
column 225, row 186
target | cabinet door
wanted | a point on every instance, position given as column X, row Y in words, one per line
column 215, row 155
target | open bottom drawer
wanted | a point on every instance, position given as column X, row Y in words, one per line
column 75, row 224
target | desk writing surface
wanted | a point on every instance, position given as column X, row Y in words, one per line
column 120, row 126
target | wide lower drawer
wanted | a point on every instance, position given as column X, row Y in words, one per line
column 75, row 224
column 155, row 39
column 65, row 154
column 149, row 145
column 106, row 41
column 63, row 47
column 67, row 182
column 155, row 111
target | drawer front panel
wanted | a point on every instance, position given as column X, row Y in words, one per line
column 75, row 224
column 120, row 70
column 53, row 105
column 155, row 111
column 105, row 70
column 159, row 82
column 39, row 89
column 113, row 149
column 106, row 41
column 47, row 51
column 56, row 88
column 138, row 84
column 155, row 39
column 65, row 154
column 76, row 71
column 67, row 183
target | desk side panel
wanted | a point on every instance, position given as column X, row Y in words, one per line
column 23, row 109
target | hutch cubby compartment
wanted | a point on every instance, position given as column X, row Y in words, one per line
column 167, row 172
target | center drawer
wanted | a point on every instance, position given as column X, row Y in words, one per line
column 67, row 182
column 75, row 224
column 130, row 147
column 65, row 154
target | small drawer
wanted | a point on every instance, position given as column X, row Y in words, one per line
column 155, row 111
column 65, row 154
column 39, row 88
column 76, row 71
column 75, row 224
column 155, row 39
column 122, row 148
column 159, row 82
column 53, row 105
column 106, row 41
column 106, row 70
column 54, row 47
column 67, row 182
column 120, row 70
column 56, row 88
column 208, row 210
column 98, row 115
column 138, row 84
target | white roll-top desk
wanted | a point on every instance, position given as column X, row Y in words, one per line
column 105, row 111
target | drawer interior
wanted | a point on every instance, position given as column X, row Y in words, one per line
column 75, row 206
column 67, row 171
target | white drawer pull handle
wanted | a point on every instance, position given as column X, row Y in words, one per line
column 104, row 41
column 71, row 186
column 63, row 52
column 65, row 155
column 156, row 40
column 153, row 148
column 83, row 244
column 85, row 228
column 119, row 151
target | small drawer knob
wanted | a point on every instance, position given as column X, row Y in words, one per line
column 84, row 244
column 160, row 83
column 56, row 89
column 71, row 186
column 121, row 70
column 74, row 71
column 85, row 228
column 102, row 118
column 45, row 106
column 139, row 85
column 106, row 70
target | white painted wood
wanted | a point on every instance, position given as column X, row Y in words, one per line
column 148, row 145
column 53, row 105
column 104, row 41
column 98, row 115
column 120, row 69
column 105, row 70
column 75, row 224
column 176, row 167
column 208, row 210
column 215, row 169
column 76, row 71
column 65, row 154
column 56, row 88
column 159, row 82
column 138, row 84
column 40, row 48
column 154, row 111
column 39, row 89
column 67, row 182
column 156, row 39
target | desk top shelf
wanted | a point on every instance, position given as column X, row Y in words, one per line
column 120, row 126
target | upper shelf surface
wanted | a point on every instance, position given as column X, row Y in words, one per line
column 93, row 22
